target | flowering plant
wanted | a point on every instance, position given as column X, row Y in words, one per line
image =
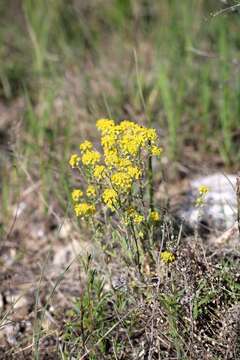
column 117, row 183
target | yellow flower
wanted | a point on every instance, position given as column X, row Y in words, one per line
column 76, row 195
column 203, row 190
column 134, row 215
column 84, row 209
column 138, row 218
column 127, row 125
column 167, row 257
column 119, row 168
column 74, row 160
column 151, row 134
column 104, row 124
column 110, row 198
column 156, row 151
column 90, row 157
column 91, row 191
column 86, row 145
column 99, row 171
column 134, row 137
column 123, row 163
column 121, row 180
column 134, row 172
column 154, row 216
column 108, row 141
column 141, row 234
column 130, row 144
column 111, row 158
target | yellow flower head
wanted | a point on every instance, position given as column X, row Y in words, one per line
column 91, row 191
column 111, row 158
column 156, row 151
column 134, row 215
column 104, row 124
column 138, row 218
column 123, row 163
column 151, row 134
column 86, row 145
column 125, row 147
column 74, row 160
column 109, row 140
column 203, row 190
column 84, row 210
column 90, row 157
column 154, row 216
column 76, row 194
column 134, row 172
column 122, row 181
column 167, row 257
column 130, row 144
column 110, row 198
column 99, row 172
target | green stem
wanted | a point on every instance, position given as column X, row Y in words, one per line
column 150, row 184
column 137, row 249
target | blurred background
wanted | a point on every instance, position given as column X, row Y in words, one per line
column 173, row 65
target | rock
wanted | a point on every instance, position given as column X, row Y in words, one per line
column 219, row 211
column 16, row 299
column 64, row 230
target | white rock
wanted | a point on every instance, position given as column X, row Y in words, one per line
column 220, row 204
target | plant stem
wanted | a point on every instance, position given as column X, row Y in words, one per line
column 137, row 249
column 150, row 184
column 238, row 203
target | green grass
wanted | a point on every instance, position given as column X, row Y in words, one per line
column 191, row 90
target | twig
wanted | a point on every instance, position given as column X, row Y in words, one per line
column 228, row 9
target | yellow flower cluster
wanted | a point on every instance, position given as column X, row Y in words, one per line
column 135, row 216
column 203, row 191
column 91, row 191
column 86, row 145
column 127, row 137
column 110, row 198
column 99, row 172
column 119, row 170
column 122, row 145
column 122, row 181
column 167, row 257
column 120, row 178
column 90, row 157
column 156, row 151
column 134, row 172
column 76, row 195
column 74, row 161
column 104, row 124
column 84, row 209
column 154, row 216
